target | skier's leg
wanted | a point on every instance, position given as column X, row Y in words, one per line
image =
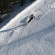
column 28, row 21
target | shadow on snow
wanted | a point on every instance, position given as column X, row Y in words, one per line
column 36, row 35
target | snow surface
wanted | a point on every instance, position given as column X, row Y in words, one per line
column 36, row 38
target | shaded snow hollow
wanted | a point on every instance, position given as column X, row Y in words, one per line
column 36, row 38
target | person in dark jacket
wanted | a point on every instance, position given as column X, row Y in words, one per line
column 30, row 18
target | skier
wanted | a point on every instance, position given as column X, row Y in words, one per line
column 30, row 18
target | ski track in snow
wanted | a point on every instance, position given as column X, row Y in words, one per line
column 30, row 37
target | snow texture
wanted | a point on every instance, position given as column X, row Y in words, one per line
column 36, row 38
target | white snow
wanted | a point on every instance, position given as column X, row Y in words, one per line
column 36, row 38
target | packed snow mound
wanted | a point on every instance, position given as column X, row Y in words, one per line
column 36, row 38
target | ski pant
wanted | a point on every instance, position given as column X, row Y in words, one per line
column 30, row 20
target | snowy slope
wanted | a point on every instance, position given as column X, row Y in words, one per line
column 36, row 38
